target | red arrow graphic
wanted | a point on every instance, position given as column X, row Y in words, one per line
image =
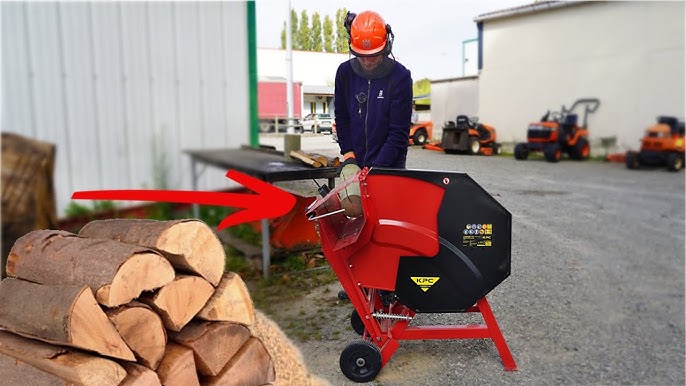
column 268, row 202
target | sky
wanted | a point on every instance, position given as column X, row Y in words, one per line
column 429, row 34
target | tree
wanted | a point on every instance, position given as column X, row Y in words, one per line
column 304, row 33
column 341, row 33
column 294, row 30
column 328, row 34
column 422, row 87
column 316, row 32
column 283, row 36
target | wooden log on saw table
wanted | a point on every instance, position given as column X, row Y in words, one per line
column 252, row 365
column 116, row 272
column 177, row 367
column 213, row 343
column 306, row 159
column 190, row 245
column 231, row 302
column 142, row 330
column 137, row 375
column 64, row 315
column 179, row 301
column 65, row 364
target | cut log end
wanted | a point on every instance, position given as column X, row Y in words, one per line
column 231, row 302
column 179, row 301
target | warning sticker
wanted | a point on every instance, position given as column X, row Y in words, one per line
column 477, row 235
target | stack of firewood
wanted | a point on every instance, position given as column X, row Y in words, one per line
column 134, row 302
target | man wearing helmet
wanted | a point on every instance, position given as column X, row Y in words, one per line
column 373, row 97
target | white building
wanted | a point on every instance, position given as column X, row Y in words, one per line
column 541, row 56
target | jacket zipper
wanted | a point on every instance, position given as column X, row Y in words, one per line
column 366, row 115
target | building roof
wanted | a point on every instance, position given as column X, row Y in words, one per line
column 537, row 7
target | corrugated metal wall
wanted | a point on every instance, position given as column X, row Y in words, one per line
column 122, row 88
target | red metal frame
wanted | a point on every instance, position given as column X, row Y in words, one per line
column 364, row 253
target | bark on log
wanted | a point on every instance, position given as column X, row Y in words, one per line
column 213, row 343
column 64, row 315
column 177, row 367
column 231, row 302
column 137, row 375
column 116, row 272
column 14, row 372
column 142, row 330
column 68, row 365
column 190, row 245
column 179, row 301
column 251, row 365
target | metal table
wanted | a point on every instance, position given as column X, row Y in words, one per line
column 266, row 164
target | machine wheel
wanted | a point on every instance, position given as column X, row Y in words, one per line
column 419, row 137
column 675, row 162
column 361, row 361
column 474, row 145
column 552, row 153
column 581, row 149
column 521, row 151
column 356, row 323
column 497, row 149
column 631, row 160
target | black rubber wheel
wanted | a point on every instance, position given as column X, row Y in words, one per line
column 356, row 323
column 474, row 145
column 361, row 361
column 419, row 138
column 675, row 162
column 521, row 151
column 552, row 153
column 581, row 150
column 632, row 161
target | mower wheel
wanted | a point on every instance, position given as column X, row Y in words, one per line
column 474, row 145
column 632, row 161
column 356, row 323
column 675, row 162
column 497, row 149
column 552, row 153
column 581, row 150
column 361, row 361
column 521, row 151
column 419, row 137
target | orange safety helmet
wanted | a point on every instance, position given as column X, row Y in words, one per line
column 369, row 34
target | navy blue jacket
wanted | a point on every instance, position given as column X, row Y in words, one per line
column 376, row 129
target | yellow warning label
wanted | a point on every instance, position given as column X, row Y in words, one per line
column 424, row 282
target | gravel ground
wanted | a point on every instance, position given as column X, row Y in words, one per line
column 596, row 294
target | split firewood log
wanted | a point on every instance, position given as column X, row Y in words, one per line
column 213, row 343
column 251, row 365
column 131, row 320
column 190, row 245
column 231, row 302
column 116, row 272
column 179, row 301
column 16, row 372
column 177, row 367
column 64, row 315
column 137, row 375
column 55, row 364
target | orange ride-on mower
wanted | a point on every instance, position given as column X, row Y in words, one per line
column 558, row 133
column 394, row 262
column 468, row 135
column 662, row 144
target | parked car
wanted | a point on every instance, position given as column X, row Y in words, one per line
column 321, row 122
column 334, row 134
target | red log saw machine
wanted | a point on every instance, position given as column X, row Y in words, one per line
column 394, row 262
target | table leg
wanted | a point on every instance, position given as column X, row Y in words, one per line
column 194, row 185
column 266, row 256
